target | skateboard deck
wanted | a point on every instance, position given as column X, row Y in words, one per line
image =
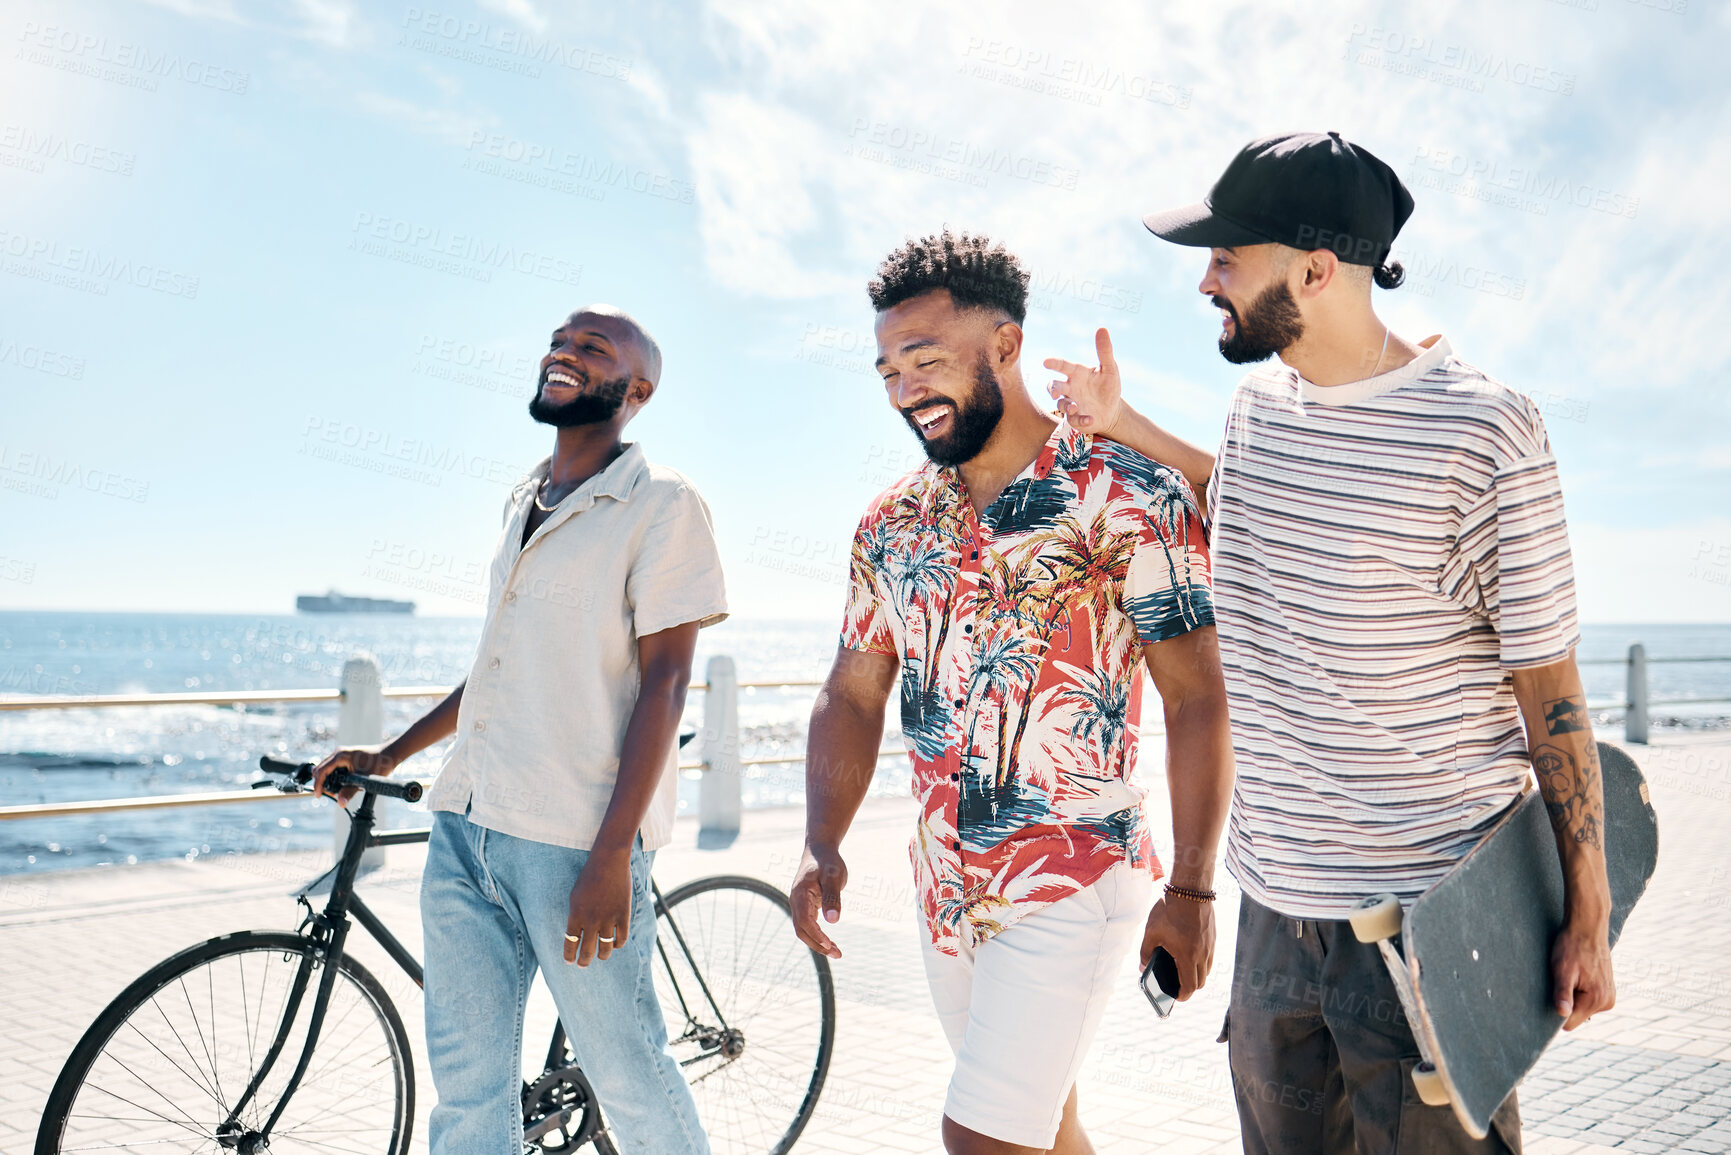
column 1477, row 944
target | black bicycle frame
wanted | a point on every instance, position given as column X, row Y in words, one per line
column 673, row 977
column 329, row 931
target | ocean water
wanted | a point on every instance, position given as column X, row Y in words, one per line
column 61, row 755
column 124, row 752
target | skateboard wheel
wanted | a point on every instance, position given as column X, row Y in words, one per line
column 1376, row 918
column 1429, row 1082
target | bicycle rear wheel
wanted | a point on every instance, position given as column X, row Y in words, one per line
column 163, row 1066
column 750, row 1011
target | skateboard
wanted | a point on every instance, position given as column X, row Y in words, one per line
column 1471, row 958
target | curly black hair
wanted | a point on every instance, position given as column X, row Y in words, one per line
column 978, row 272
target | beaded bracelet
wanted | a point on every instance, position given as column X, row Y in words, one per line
column 1192, row 894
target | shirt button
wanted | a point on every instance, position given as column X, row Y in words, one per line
column 511, row 595
column 479, row 726
column 967, row 629
column 975, row 556
column 955, row 777
column 493, row 665
column 960, row 703
column 957, row 845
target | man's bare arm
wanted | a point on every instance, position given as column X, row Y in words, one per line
column 1186, row 671
column 1091, row 398
column 1566, row 762
column 841, row 754
column 663, row 678
column 599, row 915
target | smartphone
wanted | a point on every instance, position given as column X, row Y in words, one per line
column 1160, row 981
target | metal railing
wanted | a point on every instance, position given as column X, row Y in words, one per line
column 261, row 697
column 1636, row 702
column 360, row 721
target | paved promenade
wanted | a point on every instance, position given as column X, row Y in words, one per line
column 1654, row 1075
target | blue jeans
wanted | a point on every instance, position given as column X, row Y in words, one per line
column 493, row 908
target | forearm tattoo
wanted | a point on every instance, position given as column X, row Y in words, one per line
column 1572, row 792
column 1565, row 716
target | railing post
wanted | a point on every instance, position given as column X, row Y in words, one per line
column 718, row 793
column 361, row 722
column 1635, row 716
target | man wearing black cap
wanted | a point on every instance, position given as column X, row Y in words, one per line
column 1395, row 597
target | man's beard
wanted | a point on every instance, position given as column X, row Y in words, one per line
column 972, row 423
column 1270, row 324
column 591, row 407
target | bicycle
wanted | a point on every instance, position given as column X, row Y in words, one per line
column 210, row 1049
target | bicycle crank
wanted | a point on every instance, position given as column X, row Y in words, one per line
column 559, row 1112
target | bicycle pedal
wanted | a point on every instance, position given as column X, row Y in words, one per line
column 554, row 1122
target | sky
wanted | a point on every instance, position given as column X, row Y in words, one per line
column 277, row 275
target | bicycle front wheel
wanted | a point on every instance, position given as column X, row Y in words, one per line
column 163, row 1068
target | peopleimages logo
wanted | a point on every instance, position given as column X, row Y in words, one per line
column 1461, row 65
column 14, row 570
column 462, row 253
column 91, row 269
column 36, row 148
column 411, row 458
column 39, row 474
column 489, row 369
column 1045, row 287
column 953, row 158
column 39, row 359
column 1521, row 186
column 550, row 161
column 1424, row 271
column 462, row 38
column 134, row 65
column 1067, row 77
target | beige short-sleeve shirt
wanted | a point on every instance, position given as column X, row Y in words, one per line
column 630, row 552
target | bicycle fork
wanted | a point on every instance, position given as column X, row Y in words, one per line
column 230, row 1133
column 329, row 932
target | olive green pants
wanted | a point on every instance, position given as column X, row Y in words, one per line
column 1321, row 1052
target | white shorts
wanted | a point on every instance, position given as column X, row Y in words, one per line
column 1021, row 1008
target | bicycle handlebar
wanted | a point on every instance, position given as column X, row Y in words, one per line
column 302, row 774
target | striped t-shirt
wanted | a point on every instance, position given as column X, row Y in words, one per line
column 1385, row 552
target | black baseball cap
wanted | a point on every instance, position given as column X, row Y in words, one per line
column 1309, row 190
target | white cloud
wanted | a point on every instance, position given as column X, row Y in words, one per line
column 333, row 22
column 648, row 84
column 447, row 125
column 751, row 160
column 804, row 84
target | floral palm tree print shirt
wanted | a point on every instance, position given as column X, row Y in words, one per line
column 1019, row 634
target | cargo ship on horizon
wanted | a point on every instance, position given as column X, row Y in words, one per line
column 332, row 602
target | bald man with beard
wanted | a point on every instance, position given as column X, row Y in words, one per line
column 561, row 784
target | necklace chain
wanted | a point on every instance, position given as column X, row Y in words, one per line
column 1384, row 352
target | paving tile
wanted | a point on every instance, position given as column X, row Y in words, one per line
column 1653, row 1075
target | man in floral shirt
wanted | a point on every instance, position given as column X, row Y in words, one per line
column 1015, row 582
